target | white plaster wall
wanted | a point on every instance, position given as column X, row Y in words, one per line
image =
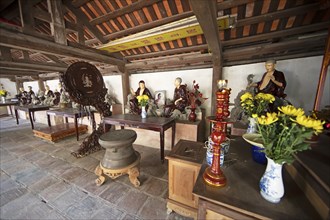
column 302, row 77
column 53, row 84
column 114, row 86
column 9, row 86
column 165, row 81
column 34, row 84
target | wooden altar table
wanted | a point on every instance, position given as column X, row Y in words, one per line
column 30, row 109
column 10, row 103
column 69, row 113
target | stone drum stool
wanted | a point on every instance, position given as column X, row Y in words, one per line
column 120, row 158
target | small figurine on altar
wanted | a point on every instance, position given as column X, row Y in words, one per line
column 48, row 92
column 29, row 95
column 22, row 96
column 133, row 102
column 180, row 98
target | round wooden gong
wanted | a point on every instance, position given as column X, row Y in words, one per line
column 84, row 83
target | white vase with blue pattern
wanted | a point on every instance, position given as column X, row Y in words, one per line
column 271, row 183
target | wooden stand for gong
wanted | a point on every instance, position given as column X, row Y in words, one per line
column 85, row 85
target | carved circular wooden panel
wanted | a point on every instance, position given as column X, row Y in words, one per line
column 84, row 83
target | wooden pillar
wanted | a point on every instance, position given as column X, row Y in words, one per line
column 125, row 84
column 18, row 84
column 323, row 75
column 41, row 85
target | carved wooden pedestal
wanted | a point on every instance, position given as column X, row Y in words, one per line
column 120, row 158
column 133, row 171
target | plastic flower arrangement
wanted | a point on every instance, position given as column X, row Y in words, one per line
column 195, row 97
column 3, row 93
column 258, row 104
column 143, row 100
column 284, row 133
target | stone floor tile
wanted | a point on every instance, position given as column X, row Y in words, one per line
column 156, row 187
column 18, row 206
column 108, row 212
column 43, row 183
column 175, row 216
column 98, row 155
column 91, row 187
column 70, row 197
column 20, row 151
column 58, row 166
column 54, row 191
column 84, row 209
column 38, row 210
column 133, row 201
column 88, row 163
column 65, row 155
column 16, row 166
column 71, row 173
column 34, row 156
column 47, row 148
column 7, row 183
column 11, row 194
column 154, row 208
column 143, row 178
column 84, row 178
column 130, row 217
column 45, row 162
column 31, row 176
column 114, row 192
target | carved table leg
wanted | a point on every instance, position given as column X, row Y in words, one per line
column 99, row 172
column 133, row 176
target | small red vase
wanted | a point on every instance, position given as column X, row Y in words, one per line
column 192, row 116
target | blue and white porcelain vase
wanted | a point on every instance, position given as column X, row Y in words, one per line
column 271, row 183
column 144, row 112
column 252, row 127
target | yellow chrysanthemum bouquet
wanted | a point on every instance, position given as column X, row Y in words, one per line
column 258, row 104
column 143, row 100
column 284, row 133
column 3, row 92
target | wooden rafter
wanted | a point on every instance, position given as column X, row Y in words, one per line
column 22, row 41
column 32, row 66
column 57, row 25
column 11, row 72
column 82, row 17
column 128, row 9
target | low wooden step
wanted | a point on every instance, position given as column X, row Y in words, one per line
column 311, row 173
column 60, row 131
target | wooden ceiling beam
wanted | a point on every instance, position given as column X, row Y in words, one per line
column 278, row 14
column 14, row 39
column 278, row 34
column 32, row 66
column 83, row 18
column 17, row 73
column 79, row 3
column 232, row 3
column 274, row 47
column 144, row 27
column 125, row 10
column 249, row 59
column 168, row 52
column 41, row 15
column 5, row 53
column 233, row 42
column 183, row 59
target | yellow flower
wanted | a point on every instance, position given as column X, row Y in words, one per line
column 245, row 96
column 308, row 122
column 290, row 110
column 268, row 119
column 265, row 97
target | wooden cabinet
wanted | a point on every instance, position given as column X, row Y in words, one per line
column 184, row 163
